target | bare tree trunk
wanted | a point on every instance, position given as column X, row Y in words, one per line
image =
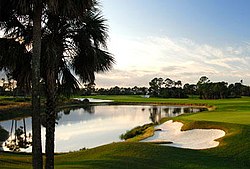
column 37, row 160
column 50, row 117
column 50, row 138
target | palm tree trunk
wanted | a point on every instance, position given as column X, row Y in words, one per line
column 37, row 160
column 50, row 117
column 50, row 137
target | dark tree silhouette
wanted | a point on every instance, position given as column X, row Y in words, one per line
column 72, row 41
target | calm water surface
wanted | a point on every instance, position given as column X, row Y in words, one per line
column 99, row 125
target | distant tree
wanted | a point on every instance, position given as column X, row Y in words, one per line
column 89, row 89
column 190, row 89
column 155, row 86
column 220, row 90
column 235, row 90
column 172, row 93
column 178, row 84
column 169, row 83
column 171, row 88
column 245, row 90
column 115, row 90
column 203, row 79
column 203, row 87
column 217, row 90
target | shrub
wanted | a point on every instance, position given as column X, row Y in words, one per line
column 135, row 131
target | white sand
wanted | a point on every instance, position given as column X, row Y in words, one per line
column 191, row 139
column 91, row 100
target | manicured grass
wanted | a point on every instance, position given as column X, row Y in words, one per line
column 231, row 115
column 146, row 156
column 15, row 160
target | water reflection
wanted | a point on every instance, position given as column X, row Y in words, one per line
column 93, row 126
column 18, row 138
column 168, row 111
column 87, row 109
column 155, row 114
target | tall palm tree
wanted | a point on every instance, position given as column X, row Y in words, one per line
column 71, row 42
column 37, row 159
column 66, row 8
column 11, row 10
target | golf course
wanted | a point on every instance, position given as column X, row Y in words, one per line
column 230, row 115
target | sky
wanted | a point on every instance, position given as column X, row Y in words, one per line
column 177, row 39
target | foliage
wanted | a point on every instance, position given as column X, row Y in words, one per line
column 123, row 91
column 75, row 43
column 220, row 90
column 172, row 93
column 204, row 87
column 172, row 89
column 139, row 130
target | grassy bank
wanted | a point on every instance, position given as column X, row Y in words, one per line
column 231, row 115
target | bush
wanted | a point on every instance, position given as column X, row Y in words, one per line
column 135, row 131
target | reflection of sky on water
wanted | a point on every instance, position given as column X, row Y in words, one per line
column 103, row 125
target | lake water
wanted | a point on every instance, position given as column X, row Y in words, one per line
column 98, row 125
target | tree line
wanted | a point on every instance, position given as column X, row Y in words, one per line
column 168, row 88
column 158, row 87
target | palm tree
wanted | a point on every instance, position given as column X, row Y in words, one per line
column 67, row 8
column 15, row 29
column 37, row 159
column 71, row 42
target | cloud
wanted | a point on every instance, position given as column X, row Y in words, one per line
column 141, row 59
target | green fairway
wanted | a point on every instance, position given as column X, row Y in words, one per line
column 231, row 115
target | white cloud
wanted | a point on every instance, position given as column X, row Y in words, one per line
column 141, row 59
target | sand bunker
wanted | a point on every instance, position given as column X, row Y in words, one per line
column 91, row 100
column 191, row 139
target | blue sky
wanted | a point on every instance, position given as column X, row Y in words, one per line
column 179, row 39
column 201, row 20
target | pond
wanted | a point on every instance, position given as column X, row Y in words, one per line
column 94, row 125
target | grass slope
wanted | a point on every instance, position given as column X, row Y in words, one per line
column 231, row 115
column 144, row 155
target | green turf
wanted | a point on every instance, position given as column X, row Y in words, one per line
column 143, row 155
column 231, row 115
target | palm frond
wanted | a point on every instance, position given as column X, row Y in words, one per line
column 92, row 61
column 96, row 28
column 10, row 52
column 68, row 83
column 74, row 31
column 15, row 59
column 70, row 8
column 5, row 10
column 104, row 60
